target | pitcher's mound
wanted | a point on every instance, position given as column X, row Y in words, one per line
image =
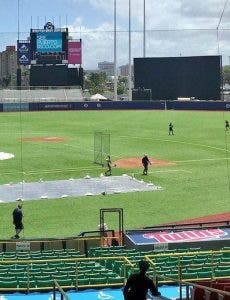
column 135, row 162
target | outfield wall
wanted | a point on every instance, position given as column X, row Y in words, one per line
column 118, row 105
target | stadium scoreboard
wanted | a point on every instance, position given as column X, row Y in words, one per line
column 49, row 45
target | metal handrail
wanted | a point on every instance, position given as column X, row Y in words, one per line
column 64, row 296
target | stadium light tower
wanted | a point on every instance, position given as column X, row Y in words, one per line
column 130, row 65
column 115, row 50
column 144, row 29
column 218, row 25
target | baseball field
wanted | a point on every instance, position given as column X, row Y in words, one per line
column 195, row 179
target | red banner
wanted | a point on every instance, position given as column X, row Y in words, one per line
column 74, row 53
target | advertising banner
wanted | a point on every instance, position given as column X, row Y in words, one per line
column 49, row 42
column 180, row 236
column 24, row 53
column 74, row 52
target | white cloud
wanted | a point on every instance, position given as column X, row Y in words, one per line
column 174, row 27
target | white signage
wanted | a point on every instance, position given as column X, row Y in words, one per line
column 161, row 247
column 23, row 246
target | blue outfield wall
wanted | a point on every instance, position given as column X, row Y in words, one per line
column 198, row 105
column 102, row 105
column 118, row 105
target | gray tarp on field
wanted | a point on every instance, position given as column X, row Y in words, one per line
column 73, row 188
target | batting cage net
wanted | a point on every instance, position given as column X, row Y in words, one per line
column 101, row 147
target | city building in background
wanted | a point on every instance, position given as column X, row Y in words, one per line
column 8, row 66
column 107, row 67
column 124, row 70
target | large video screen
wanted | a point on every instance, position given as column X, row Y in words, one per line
column 170, row 78
column 56, row 75
column 49, row 42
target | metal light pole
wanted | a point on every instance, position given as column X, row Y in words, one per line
column 115, row 51
column 130, row 61
column 144, row 30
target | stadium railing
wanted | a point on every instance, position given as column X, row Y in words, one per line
column 56, row 286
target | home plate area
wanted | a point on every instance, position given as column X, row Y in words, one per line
column 73, row 187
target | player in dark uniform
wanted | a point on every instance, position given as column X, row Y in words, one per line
column 227, row 125
column 17, row 220
column 109, row 163
column 171, row 132
column 145, row 162
column 138, row 284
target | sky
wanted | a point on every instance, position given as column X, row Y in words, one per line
column 173, row 27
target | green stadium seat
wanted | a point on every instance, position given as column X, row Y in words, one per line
column 225, row 259
column 36, row 256
column 23, row 256
column 204, row 275
column 112, row 280
column 39, row 265
column 23, row 278
column 63, row 255
column 42, row 277
column 33, row 272
column 199, row 261
column 47, row 252
column 186, row 262
column 222, row 267
column 34, row 252
column 60, row 276
column 166, row 268
column 194, row 269
column 206, row 269
column 87, row 263
column 70, row 264
column 17, row 273
column 44, row 283
column 226, row 254
column 73, row 276
column 9, row 256
column 94, row 275
column 222, row 273
column 173, row 275
column 56, row 264
column 20, row 266
column 194, row 249
column 181, row 250
column 160, row 259
column 190, row 275
column 170, row 264
column 98, row 280
column 8, row 284
column 49, row 273
column 7, row 278
column 173, row 259
column 64, row 282
column 3, row 272
column 50, row 256
column 64, row 268
column 48, row 270
column 82, row 281
column 23, row 284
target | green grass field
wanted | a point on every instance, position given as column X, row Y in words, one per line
column 197, row 185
